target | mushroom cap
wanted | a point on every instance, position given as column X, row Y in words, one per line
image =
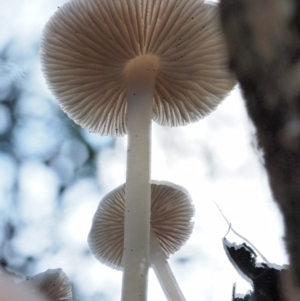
column 86, row 46
column 171, row 214
column 53, row 284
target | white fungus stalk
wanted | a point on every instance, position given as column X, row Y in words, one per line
column 163, row 272
column 140, row 73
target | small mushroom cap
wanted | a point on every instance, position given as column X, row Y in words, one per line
column 53, row 284
column 171, row 214
column 87, row 44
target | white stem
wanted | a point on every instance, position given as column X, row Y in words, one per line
column 140, row 73
column 163, row 271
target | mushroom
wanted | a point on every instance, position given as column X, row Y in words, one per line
column 53, row 284
column 114, row 65
column 171, row 226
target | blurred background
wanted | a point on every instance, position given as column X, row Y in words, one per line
column 53, row 175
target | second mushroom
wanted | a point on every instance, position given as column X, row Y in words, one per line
column 114, row 65
column 171, row 225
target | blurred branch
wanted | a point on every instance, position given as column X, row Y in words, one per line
column 264, row 47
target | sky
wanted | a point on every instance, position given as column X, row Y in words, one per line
column 216, row 159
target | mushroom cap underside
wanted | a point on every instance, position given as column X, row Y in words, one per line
column 87, row 44
column 53, row 284
column 171, row 215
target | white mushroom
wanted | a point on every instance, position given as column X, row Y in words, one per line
column 53, row 284
column 113, row 65
column 171, row 226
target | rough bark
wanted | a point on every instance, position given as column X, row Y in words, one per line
column 263, row 38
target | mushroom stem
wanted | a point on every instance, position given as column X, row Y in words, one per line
column 140, row 73
column 163, row 272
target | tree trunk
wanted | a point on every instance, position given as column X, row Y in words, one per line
column 263, row 38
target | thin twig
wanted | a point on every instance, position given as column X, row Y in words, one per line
column 239, row 235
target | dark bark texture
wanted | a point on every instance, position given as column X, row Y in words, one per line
column 263, row 38
column 265, row 278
